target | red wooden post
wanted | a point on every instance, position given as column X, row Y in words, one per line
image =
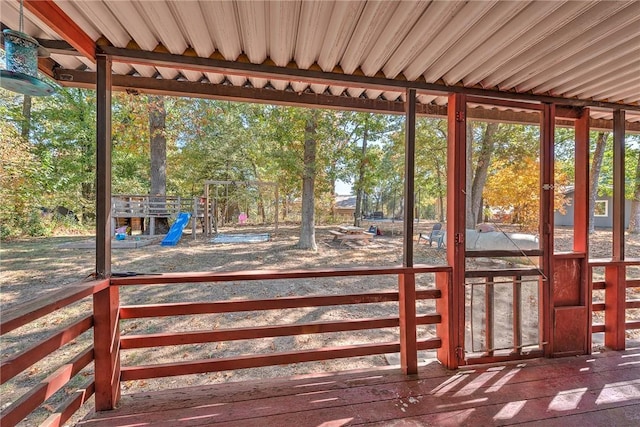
column 106, row 303
column 103, row 167
column 453, row 344
column 444, row 330
column 581, row 215
column 581, row 195
column 618, row 185
column 407, row 302
column 547, row 180
column 106, row 347
column 409, row 177
column 615, row 306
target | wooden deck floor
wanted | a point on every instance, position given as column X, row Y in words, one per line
column 598, row 390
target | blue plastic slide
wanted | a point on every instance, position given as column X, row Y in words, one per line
column 174, row 234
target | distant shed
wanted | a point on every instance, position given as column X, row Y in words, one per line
column 345, row 207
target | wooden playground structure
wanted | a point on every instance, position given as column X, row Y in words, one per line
column 216, row 208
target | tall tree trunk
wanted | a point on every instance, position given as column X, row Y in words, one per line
column 596, row 165
column 307, row 230
column 360, row 187
column 634, row 220
column 482, row 169
column 470, row 218
column 158, row 142
column 441, row 191
column 26, row 117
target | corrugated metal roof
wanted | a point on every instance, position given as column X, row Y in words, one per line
column 587, row 50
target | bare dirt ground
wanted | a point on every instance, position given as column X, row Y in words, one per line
column 30, row 267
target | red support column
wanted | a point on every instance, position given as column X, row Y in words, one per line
column 407, row 281
column 618, row 185
column 615, row 275
column 547, row 180
column 452, row 352
column 444, row 330
column 103, row 167
column 409, row 176
column 408, row 344
column 581, row 217
column 106, row 348
column 106, row 335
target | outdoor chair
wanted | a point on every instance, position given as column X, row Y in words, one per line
column 436, row 235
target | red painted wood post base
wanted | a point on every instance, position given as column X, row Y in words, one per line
column 445, row 330
column 407, row 303
column 106, row 345
column 615, row 305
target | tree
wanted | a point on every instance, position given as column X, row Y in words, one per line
column 158, row 143
column 307, row 229
column 485, row 151
column 634, row 218
column 20, row 185
column 63, row 133
column 516, row 185
column 26, row 114
column 431, row 166
column 594, row 177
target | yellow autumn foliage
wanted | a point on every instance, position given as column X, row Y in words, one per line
column 515, row 187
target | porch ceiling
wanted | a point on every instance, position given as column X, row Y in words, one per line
column 578, row 50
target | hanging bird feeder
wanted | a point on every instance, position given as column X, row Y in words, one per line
column 21, row 56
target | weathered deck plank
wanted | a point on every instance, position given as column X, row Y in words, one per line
column 583, row 390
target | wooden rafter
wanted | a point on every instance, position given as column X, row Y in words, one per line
column 49, row 13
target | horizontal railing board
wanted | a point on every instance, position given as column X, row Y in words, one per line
column 633, row 303
column 481, row 360
column 569, row 255
column 597, row 328
column 429, row 344
column 254, row 361
column 632, row 325
column 635, row 283
column 49, row 302
column 511, row 272
column 12, row 366
column 603, row 262
column 70, row 406
column 190, row 308
column 198, row 337
column 153, row 340
column 236, row 276
column 22, row 407
column 597, row 306
column 597, row 286
column 503, row 253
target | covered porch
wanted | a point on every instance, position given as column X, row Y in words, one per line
column 93, row 45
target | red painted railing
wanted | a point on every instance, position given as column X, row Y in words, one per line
column 408, row 328
column 59, row 376
column 107, row 343
column 616, row 303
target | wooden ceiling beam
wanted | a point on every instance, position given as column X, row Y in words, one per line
column 87, row 79
column 317, row 76
column 54, row 17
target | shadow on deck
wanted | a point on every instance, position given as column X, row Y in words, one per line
column 601, row 389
